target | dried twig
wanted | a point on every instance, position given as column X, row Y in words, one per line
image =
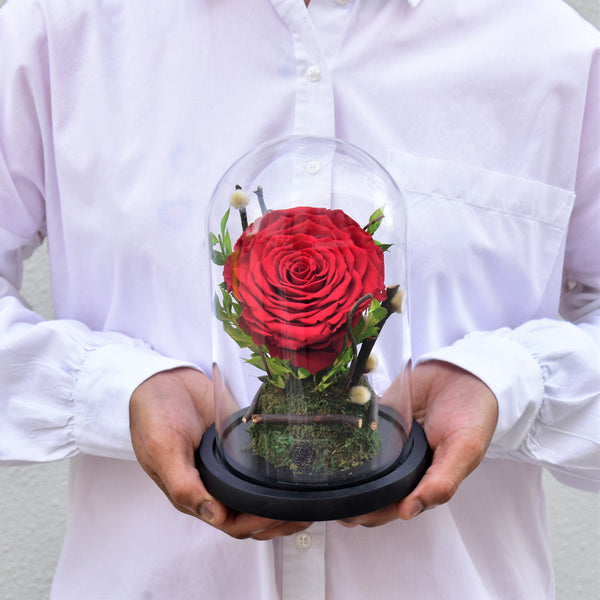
column 259, row 194
column 277, row 419
column 252, row 408
column 373, row 411
column 351, row 370
column 376, row 220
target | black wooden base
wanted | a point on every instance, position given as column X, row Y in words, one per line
column 313, row 503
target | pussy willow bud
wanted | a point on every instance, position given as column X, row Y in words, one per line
column 359, row 394
column 371, row 363
column 397, row 301
column 239, row 198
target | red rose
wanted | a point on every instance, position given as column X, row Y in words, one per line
column 297, row 273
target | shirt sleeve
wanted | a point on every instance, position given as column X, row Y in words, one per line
column 546, row 378
column 546, row 373
column 64, row 389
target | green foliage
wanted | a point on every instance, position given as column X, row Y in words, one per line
column 365, row 328
column 223, row 241
column 278, row 370
column 374, row 221
column 373, row 225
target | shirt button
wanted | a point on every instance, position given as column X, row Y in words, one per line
column 341, row 2
column 313, row 167
column 303, row 541
column 313, row 72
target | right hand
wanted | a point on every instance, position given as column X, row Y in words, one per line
column 169, row 413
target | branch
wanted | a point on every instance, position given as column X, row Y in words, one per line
column 350, row 333
column 277, row 419
column 390, row 305
column 259, row 194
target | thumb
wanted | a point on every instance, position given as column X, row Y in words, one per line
column 166, row 427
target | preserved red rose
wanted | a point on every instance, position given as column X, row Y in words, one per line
column 297, row 274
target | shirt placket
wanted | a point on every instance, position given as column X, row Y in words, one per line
column 315, row 43
column 314, row 106
column 303, row 564
column 317, row 34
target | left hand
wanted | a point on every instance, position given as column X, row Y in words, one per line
column 458, row 413
column 169, row 413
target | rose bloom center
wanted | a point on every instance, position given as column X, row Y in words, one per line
column 300, row 269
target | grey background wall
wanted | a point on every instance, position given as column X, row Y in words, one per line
column 33, row 499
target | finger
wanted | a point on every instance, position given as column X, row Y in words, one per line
column 452, row 463
column 282, row 529
column 374, row 519
column 160, row 484
column 184, row 488
column 169, row 460
column 244, row 525
column 349, row 523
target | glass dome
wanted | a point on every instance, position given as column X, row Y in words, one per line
column 310, row 335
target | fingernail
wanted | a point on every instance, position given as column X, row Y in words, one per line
column 348, row 522
column 416, row 508
column 207, row 511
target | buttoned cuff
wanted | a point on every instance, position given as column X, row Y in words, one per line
column 512, row 374
column 105, row 383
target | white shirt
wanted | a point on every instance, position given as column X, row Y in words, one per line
column 116, row 121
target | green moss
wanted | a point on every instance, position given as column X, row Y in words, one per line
column 319, row 447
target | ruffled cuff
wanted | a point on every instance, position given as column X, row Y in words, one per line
column 107, row 378
column 510, row 371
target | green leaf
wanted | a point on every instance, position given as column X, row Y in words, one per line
column 256, row 361
column 227, row 244
column 384, row 247
column 227, row 301
column 278, row 366
column 224, row 223
column 359, row 328
column 303, row 373
column 218, row 257
column 378, row 314
column 241, row 338
column 374, row 221
column 278, row 382
column 219, row 312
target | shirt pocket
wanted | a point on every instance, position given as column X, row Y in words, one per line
column 485, row 248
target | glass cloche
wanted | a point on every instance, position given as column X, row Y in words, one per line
column 310, row 335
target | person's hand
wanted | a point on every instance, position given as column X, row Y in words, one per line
column 458, row 413
column 169, row 413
